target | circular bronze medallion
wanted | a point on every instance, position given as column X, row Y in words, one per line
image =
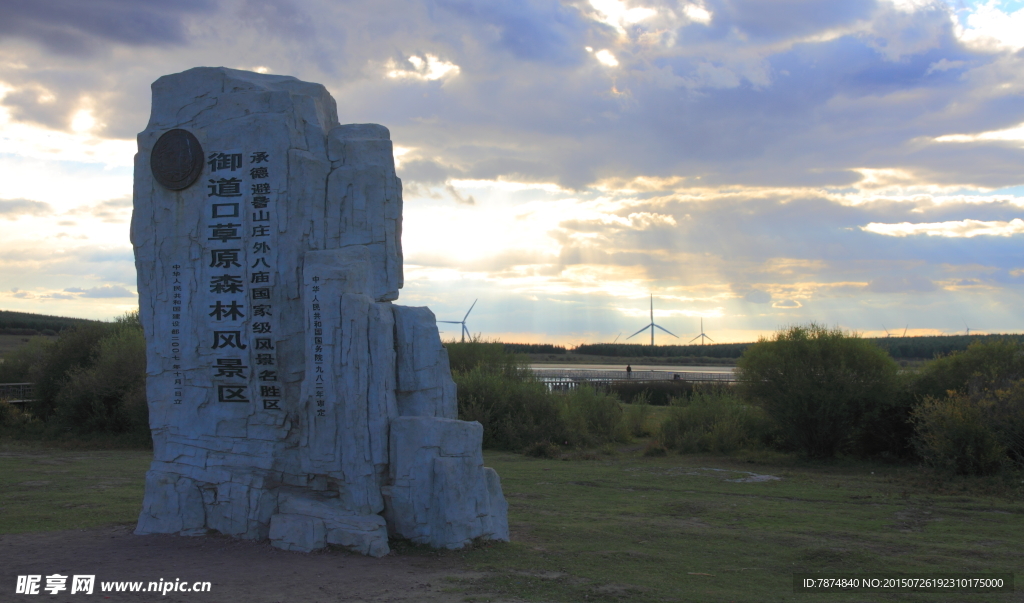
column 177, row 159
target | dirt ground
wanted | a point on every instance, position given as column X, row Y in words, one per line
column 238, row 570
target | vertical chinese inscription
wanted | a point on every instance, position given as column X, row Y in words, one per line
column 318, row 349
column 261, row 240
column 177, row 301
column 240, row 238
column 227, row 314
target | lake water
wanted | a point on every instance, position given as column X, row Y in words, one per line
column 636, row 367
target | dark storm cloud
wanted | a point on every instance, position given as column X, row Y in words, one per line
column 73, row 27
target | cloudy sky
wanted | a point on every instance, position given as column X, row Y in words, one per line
column 752, row 163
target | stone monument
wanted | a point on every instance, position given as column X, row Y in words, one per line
column 289, row 398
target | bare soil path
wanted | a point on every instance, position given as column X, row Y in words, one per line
column 238, row 570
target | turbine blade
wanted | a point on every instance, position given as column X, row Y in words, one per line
column 469, row 310
column 694, row 339
column 667, row 331
column 640, row 331
column 454, row 322
column 708, row 338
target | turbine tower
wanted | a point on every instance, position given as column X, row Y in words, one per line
column 652, row 326
column 462, row 322
column 702, row 336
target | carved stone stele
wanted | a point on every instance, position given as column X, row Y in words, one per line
column 289, row 398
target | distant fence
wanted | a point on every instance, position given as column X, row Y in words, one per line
column 563, row 379
column 17, row 393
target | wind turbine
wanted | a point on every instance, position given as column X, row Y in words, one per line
column 887, row 333
column 702, row 336
column 905, row 330
column 652, row 326
column 462, row 322
column 968, row 328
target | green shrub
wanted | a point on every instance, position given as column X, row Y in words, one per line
column 637, row 416
column 489, row 356
column 1005, row 415
column 109, row 394
column 514, row 412
column 517, row 411
column 543, row 450
column 658, row 393
column 17, row 420
column 17, row 366
column 592, row 417
column 983, row 366
column 828, row 391
column 953, row 434
column 75, row 348
column 655, row 448
column 715, row 422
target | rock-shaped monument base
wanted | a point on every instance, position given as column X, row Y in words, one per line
column 289, row 398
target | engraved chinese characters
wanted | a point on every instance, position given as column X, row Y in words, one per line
column 288, row 397
column 177, row 159
column 240, row 274
column 318, row 348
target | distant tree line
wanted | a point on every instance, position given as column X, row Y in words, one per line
column 637, row 350
column 934, row 346
column 899, row 348
column 24, row 323
column 534, row 348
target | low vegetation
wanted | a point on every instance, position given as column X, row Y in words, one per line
column 89, row 384
column 925, row 471
column 626, row 527
column 809, row 390
column 517, row 411
column 814, row 391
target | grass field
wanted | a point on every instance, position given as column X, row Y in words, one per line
column 10, row 343
column 625, row 527
column 50, row 489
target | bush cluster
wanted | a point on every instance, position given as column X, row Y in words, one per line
column 978, row 428
column 822, row 392
column 827, row 391
column 91, row 380
column 717, row 422
column 518, row 412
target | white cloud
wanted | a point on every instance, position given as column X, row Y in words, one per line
column 954, row 229
column 618, row 15
column 27, row 140
column 1015, row 133
column 427, row 68
column 990, row 29
column 697, row 13
column 605, row 57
